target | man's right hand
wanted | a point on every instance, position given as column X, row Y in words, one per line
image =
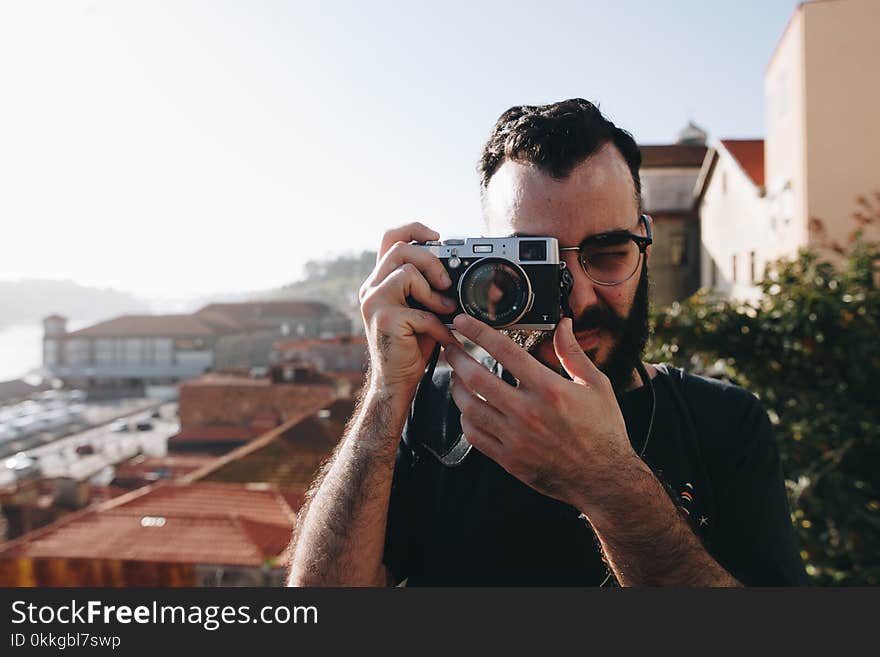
column 402, row 338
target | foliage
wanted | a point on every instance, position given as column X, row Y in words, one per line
column 809, row 349
column 334, row 281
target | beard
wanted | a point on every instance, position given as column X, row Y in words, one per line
column 629, row 335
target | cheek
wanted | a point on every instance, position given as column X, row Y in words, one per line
column 619, row 299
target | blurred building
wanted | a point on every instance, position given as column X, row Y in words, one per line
column 219, row 412
column 821, row 99
column 19, row 389
column 32, row 503
column 265, row 323
column 734, row 217
column 817, row 167
column 144, row 470
column 288, row 459
column 342, row 354
column 668, row 174
column 135, row 355
column 199, row 534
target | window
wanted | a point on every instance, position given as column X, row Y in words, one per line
column 133, row 351
column 733, row 268
column 752, row 277
column 78, row 351
column 105, row 351
column 163, row 350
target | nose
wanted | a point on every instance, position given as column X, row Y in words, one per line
column 583, row 292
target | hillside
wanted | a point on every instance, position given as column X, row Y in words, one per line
column 30, row 300
column 334, row 282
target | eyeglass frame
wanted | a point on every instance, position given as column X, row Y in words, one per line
column 642, row 241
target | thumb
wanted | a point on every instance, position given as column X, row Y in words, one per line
column 578, row 365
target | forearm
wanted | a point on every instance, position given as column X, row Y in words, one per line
column 340, row 532
column 644, row 537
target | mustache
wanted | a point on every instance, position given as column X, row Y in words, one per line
column 598, row 317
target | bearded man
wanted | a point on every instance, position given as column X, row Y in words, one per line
column 564, row 459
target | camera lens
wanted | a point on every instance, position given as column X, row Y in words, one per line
column 495, row 291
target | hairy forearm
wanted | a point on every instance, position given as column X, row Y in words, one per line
column 644, row 538
column 340, row 531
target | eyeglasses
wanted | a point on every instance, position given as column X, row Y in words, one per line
column 613, row 258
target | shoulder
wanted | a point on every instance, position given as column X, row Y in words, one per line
column 729, row 420
column 716, row 399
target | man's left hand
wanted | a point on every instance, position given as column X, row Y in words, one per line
column 563, row 438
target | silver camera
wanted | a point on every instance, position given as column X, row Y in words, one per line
column 505, row 281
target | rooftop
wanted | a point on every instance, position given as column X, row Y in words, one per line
column 287, row 457
column 148, row 326
column 749, row 153
column 256, row 310
column 199, row 523
column 213, row 319
column 672, row 155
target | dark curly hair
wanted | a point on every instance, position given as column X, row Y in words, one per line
column 556, row 138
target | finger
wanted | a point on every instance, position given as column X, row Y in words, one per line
column 413, row 231
column 578, row 365
column 513, row 357
column 477, row 378
column 425, row 261
column 400, row 321
column 476, row 410
column 488, row 445
column 426, row 323
column 404, row 282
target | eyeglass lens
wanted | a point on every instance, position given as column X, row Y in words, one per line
column 612, row 261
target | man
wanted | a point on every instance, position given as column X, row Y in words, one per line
column 588, row 466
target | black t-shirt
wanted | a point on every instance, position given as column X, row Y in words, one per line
column 474, row 524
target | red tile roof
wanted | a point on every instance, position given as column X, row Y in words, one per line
column 672, row 155
column 209, row 434
column 201, row 523
column 221, row 322
column 213, row 319
column 258, row 310
column 259, row 503
column 200, row 540
column 174, row 465
column 749, row 153
column 287, row 457
column 148, row 326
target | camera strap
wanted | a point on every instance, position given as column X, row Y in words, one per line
column 436, row 418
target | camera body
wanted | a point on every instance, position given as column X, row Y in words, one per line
column 506, row 282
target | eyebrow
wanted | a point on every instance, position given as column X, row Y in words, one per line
column 618, row 232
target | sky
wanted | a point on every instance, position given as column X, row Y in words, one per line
column 182, row 148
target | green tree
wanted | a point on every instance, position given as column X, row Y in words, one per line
column 809, row 349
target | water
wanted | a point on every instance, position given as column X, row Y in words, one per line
column 21, row 349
